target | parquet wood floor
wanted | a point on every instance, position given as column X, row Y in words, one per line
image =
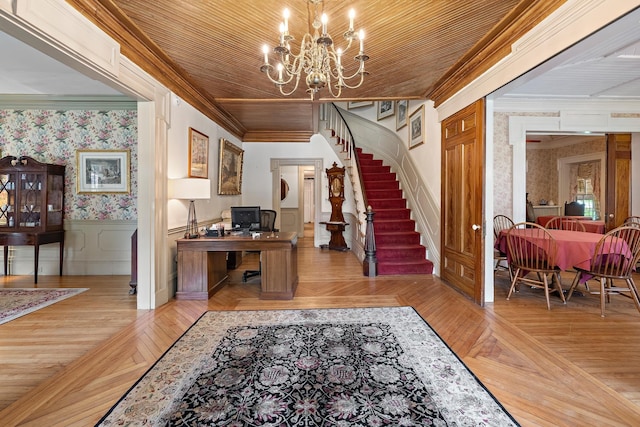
column 67, row 364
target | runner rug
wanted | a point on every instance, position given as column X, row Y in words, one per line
column 18, row 302
column 326, row 367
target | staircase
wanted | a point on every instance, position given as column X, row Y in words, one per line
column 398, row 247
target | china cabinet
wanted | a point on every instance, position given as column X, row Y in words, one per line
column 31, row 206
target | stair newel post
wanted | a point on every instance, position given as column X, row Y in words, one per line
column 370, row 263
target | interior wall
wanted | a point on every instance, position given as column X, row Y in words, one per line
column 542, row 168
column 183, row 117
column 98, row 226
column 258, row 159
column 56, row 135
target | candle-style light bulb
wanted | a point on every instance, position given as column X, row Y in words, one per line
column 324, row 19
column 361, row 37
column 285, row 14
column 352, row 14
column 281, row 34
column 265, row 50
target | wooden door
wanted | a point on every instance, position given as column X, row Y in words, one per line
column 462, row 210
column 617, row 197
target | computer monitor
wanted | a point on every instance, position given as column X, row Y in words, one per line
column 245, row 217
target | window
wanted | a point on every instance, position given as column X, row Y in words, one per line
column 585, row 196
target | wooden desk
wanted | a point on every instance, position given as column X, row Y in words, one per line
column 202, row 264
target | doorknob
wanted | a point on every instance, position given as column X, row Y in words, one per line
column 611, row 216
column 476, row 227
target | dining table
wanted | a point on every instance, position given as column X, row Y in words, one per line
column 574, row 248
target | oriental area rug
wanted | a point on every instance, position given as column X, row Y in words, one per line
column 325, row 367
column 18, row 302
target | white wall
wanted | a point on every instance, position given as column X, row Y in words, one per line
column 184, row 116
column 257, row 190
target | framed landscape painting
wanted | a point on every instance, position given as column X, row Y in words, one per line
column 198, row 154
column 230, row 170
column 102, row 171
column 416, row 128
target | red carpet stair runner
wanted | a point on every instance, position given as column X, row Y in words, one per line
column 398, row 244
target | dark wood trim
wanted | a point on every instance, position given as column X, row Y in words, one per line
column 140, row 49
column 492, row 48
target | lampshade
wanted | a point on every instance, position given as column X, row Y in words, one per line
column 189, row 188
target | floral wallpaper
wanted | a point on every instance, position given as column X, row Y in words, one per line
column 542, row 173
column 502, row 170
column 53, row 136
column 542, row 170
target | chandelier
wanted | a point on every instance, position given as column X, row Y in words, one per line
column 317, row 58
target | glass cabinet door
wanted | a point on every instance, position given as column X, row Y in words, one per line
column 55, row 193
column 7, row 200
column 31, row 199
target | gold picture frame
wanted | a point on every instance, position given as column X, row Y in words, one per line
column 385, row 109
column 230, row 170
column 351, row 105
column 103, row 171
column 416, row 128
column 402, row 108
column 198, row 154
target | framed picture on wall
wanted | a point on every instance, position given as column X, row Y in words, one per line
column 103, row 171
column 386, row 109
column 358, row 104
column 416, row 128
column 198, row 154
column 230, row 170
column 401, row 114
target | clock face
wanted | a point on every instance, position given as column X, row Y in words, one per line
column 336, row 187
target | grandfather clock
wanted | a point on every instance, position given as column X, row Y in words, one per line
column 336, row 224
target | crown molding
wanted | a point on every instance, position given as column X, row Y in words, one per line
column 50, row 102
column 141, row 50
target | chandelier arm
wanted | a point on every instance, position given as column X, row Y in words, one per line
column 295, row 87
column 317, row 57
column 355, row 86
column 360, row 71
column 266, row 69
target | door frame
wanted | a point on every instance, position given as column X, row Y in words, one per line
column 462, row 263
column 520, row 125
column 317, row 164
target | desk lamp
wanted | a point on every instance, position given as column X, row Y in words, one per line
column 190, row 189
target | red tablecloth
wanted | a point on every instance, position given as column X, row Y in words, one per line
column 590, row 226
column 575, row 248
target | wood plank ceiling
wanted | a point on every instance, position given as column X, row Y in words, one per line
column 209, row 51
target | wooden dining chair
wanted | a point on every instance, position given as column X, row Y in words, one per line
column 632, row 220
column 534, row 252
column 615, row 257
column 501, row 222
column 564, row 223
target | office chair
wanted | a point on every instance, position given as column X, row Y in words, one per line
column 267, row 224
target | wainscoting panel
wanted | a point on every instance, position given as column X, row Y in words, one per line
column 90, row 248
